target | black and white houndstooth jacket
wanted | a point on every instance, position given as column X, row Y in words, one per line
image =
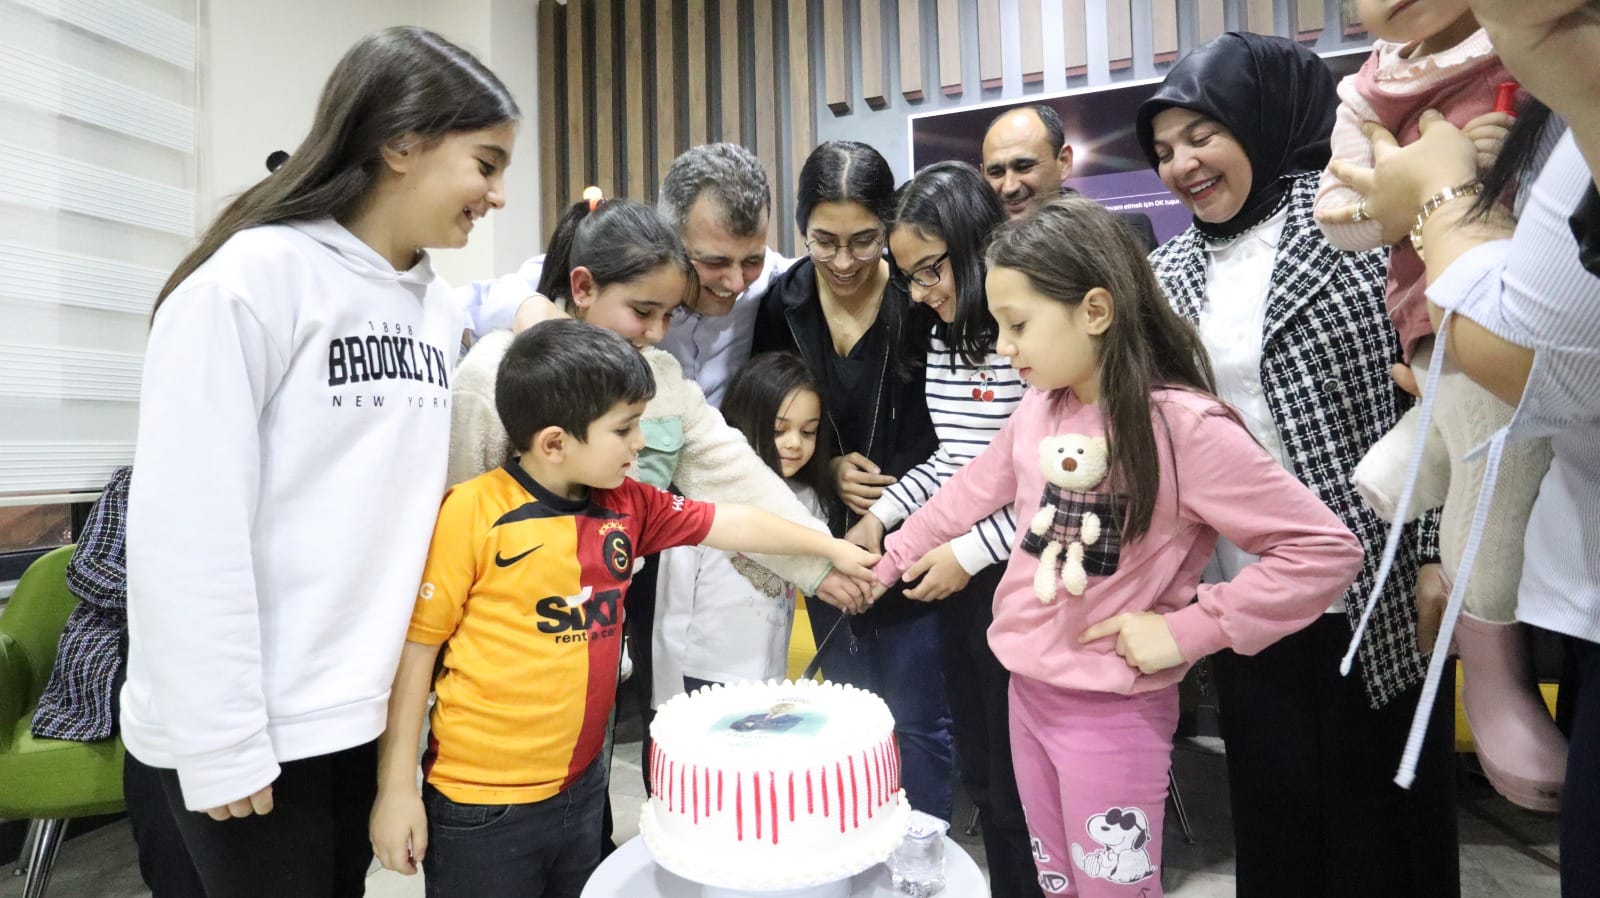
column 1325, row 360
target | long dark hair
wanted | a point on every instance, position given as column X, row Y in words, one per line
column 620, row 241
column 951, row 201
column 755, row 396
column 1070, row 246
column 393, row 82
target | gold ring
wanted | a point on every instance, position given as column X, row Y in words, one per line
column 1361, row 211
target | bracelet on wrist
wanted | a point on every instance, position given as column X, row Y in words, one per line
column 1433, row 203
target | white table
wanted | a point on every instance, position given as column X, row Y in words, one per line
column 631, row 872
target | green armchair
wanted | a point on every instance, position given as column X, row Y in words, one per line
column 47, row 781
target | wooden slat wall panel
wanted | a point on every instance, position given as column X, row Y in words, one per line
column 1119, row 33
column 1309, row 19
column 835, row 66
column 666, row 96
column 605, row 110
column 1075, row 36
column 872, row 54
column 1258, row 16
column 950, row 47
column 577, row 104
column 641, row 183
column 990, row 74
column 552, row 152
column 910, row 49
column 699, row 102
column 1030, row 24
column 766, row 78
column 802, row 136
column 1350, row 17
column 1164, row 29
column 728, row 71
column 1210, row 21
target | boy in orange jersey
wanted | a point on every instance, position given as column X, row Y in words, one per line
column 523, row 593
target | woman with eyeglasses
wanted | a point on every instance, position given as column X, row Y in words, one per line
column 941, row 227
column 863, row 341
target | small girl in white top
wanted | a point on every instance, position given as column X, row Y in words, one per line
column 721, row 617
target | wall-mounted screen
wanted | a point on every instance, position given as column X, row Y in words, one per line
column 1106, row 164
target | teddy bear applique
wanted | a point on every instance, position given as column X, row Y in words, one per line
column 1074, row 532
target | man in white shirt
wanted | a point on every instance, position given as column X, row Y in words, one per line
column 716, row 195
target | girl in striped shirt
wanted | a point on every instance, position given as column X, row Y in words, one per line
column 942, row 223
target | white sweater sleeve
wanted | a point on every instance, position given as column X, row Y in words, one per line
column 478, row 440
column 210, row 368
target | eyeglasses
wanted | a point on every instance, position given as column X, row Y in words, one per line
column 862, row 249
column 926, row 276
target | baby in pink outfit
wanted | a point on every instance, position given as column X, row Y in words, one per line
column 1431, row 54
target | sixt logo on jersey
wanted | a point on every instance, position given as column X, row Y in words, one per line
column 603, row 612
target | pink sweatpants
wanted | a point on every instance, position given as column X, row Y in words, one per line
column 1092, row 771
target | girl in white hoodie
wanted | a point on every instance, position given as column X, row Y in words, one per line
column 294, row 424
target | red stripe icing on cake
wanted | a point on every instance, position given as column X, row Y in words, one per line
column 855, row 802
column 872, row 794
column 824, row 791
column 772, row 796
column 775, row 735
column 838, row 777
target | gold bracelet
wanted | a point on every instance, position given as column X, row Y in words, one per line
column 1432, row 205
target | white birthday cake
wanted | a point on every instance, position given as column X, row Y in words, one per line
column 768, row 786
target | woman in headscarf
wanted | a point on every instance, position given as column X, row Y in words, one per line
column 1301, row 346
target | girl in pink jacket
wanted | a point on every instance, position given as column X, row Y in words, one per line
column 1124, row 469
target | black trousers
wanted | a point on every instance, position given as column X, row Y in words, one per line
column 1580, row 799
column 978, row 687
column 313, row 844
column 164, row 861
column 1311, row 774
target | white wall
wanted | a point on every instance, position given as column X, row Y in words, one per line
column 263, row 67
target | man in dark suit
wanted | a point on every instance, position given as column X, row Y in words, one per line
column 1026, row 158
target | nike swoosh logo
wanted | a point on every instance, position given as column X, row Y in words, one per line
column 502, row 561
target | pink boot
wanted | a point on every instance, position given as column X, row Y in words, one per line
column 1522, row 752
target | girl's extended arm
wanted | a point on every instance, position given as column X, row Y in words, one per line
column 398, row 826
column 987, row 484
